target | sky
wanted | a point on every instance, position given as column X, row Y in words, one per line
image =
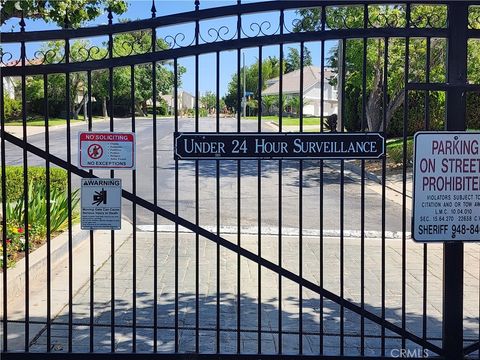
column 140, row 9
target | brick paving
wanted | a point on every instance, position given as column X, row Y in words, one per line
column 270, row 305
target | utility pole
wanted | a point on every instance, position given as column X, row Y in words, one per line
column 244, row 98
column 340, row 84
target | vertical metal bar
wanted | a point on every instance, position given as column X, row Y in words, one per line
column 197, row 199
column 4, row 220
column 155, row 192
column 384, row 166
column 425, row 248
column 92, row 243
column 112, row 233
column 175, row 91
column 25, row 192
column 134, row 222
column 342, row 212
column 259, row 208
column 47, row 191
column 217, row 175
column 362, row 187
column 280, row 190
column 322, row 113
column 404, row 169
column 69, row 195
column 239, row 193
column 453, row 252
column 300, row 210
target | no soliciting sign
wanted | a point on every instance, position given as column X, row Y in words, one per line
column 446, row 187
column 101, row 204
column 106, row 150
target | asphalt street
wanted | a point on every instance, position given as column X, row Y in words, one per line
column 335, row 201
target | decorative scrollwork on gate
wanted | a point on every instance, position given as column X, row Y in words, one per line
column 88, row 53
column 259, row 29
column 7, row 59
column 177, row 40
column 387, row 16
column 344, row 17
column 223, row 33
column 429, row 16
column 132, row 43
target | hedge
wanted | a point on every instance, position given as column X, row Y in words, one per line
column 14, row 179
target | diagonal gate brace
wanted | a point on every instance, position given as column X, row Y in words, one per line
column 229, row 245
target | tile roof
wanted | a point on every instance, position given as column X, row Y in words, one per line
column 291, row 80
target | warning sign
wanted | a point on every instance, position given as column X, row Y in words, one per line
column 446, row 187
column 101, row 203
column 106, row 150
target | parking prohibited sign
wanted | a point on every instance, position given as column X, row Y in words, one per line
column 101, row 204
column 106, row 150
column 446, row 193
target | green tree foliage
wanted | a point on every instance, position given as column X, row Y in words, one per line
column 124, row 45
column 209, row 101
column 376, row 83
column 78, row 11
column 292, row 62
column 270, row 69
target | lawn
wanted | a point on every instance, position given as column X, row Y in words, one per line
column 287, row 121
column 51, row 121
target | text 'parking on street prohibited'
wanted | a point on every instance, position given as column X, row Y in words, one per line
column 106, row 150
column 204, row 146
column 101, row 204
column 446, row 194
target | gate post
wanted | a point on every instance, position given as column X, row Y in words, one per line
column 456, row 113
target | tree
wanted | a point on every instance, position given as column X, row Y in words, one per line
column 209, row 101
column 352, row 16
column 78, row 11
column 269, row 101
column 293, row 59
column 123, row 45
column 270, row 69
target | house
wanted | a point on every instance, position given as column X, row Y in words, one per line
column 311, row 90
column 10, row 84
column 186, row 101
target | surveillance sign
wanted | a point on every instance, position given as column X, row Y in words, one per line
column 204, row 146
column 106, row 150
column 101, row 204
column 446, row 187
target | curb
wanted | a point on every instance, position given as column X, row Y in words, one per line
column 38, row 260
column 271, row 230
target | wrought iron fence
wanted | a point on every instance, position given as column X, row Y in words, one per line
column 144, row 44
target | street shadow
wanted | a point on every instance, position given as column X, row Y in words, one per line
column 311, row 170
column 227, row 336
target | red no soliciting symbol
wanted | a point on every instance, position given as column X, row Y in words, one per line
column 95, row 151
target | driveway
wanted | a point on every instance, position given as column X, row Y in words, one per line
column 255, row 190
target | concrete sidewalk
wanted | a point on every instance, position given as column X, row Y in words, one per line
column 35, row 130
column 315, row 318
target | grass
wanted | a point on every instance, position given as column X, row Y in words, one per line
column 287, row 121
column 51, row 121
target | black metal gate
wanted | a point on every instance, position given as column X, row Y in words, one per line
column 261, row 281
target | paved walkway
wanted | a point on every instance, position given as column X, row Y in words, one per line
column 270, row 307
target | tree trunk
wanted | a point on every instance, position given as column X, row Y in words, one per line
column 104, row 108
column 138, row 107
column 76, row 110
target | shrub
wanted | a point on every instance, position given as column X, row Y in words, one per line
column 37, row 218
column 14, row 179
column 37, row 208
column 353, row 109
column 12, row 109
column 473, row 110
column 395, row 152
